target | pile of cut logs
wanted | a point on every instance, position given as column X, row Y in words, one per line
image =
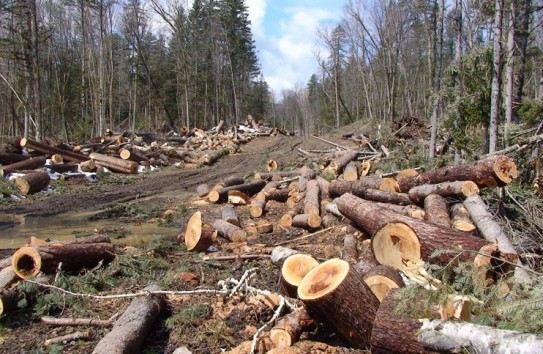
column 122, row 153
column 435, row 216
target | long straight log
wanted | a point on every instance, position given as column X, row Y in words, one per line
column 46, row 149
column 7, row 158
column 437, row 210
column 337, row 166
column 29, row 164
column 397, row 239
column 311, row 201
column 491, row 172
column 268, row 176
column 306, row 174
column 114, row 163
column 456, row 189
column 131, row 329
column 229, row 231
column 250, row 189
column 387, row 197
column 359, row 187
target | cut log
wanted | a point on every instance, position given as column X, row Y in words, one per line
column 46, row 149
column 29, row 261
column 457, row 189
column 460, row 218
column 350, row 249
column 198, row 236
column 115, row 164
column 32, row 182
column 398, row 240
column 491, row 172
column 294, row 270
column 28, row 164
column 64, row 167
column 336, row 293
column 132, row 155
column 306, row 174
column 229, row 214
column 406, row 173
column 307, row 221
column 131, row 329
column 280, row 195
column 258, row 207
column 412, row 211
column 209, row 159
column 492, row 232
column 7, row 277
column 387, row 197
column 351, row 172
column 236, row 197
column 366, row 166
column 337, row 166
column 229, row 231
column 288, row 329
column 328, row 220
column 359, row 187
column 311, row 202
column 202, row 190
column 324, row 186
column 437, row 210
column 286, row 219
column 8, row 158
column 250, row 189
column 381, row 279
column 57, row 158
column 87, row 166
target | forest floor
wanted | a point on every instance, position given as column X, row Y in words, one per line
column 202, row 323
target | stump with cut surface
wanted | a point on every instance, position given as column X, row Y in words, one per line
column 131, row 329
column 198, row 236
column 337, row 294
column 294, row 270
column 457, row 189
column 32, row 182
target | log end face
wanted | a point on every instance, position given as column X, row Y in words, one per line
column 396, row 245
column 213, row 196
column 193, row 231
column 280, row 338
column 505, row 169
column 296, row 267
column 323, row 279
column 26, row 262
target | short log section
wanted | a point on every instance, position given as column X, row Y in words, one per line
column 294, row 270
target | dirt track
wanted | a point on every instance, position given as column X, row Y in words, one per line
column 167, row 181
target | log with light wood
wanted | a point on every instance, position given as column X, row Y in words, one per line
column 409, row 172
column 381, row 279
column 359, row 187
column 29, row 261
column 87, row 166
column 390, row 197
column 271, row 165
column 209, row 159
column 311, row 201
column 198, row 235
column 491, row 172
column 131, row 329
column 132, row 155
column 307, row 221
column 306, row 174
column 398, row 240
column 250, row 189
column 286, row 219
column 268, row 176
column 460, row 218
column 264, row 227
column 202, row 190
column 336, row 167
column 456, row 189
column 229, row 214
column 336, row 293
column 436, row 208
column 294, row 270
column 351, row 172
column 28, row 164
column 350, row 249
column 46, row 149
column 492, row 232
column 229, row 231
column 324, row 186
column 7, row 277
column 258, row 206
column 288, row 329
column 32, row 182
column 114, row 163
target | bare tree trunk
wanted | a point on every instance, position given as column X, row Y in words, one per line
column 496, row 72
column 457, row 57
column 509, row 70
column 438, row 51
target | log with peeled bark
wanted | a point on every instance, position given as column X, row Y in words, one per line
column 460, row 218
column 398, row 240
column 351, row 172
column 250, row 189
column 456, row 189
column 307, row 221
column 258, row 206
column 131, row 329
column 229, row 214
column 492, row 232
column 337, row 166
column 28, row 164
column 350, row 249
column 32, row 182
column 114, row 163
column 311, row 201
column 268, row 176
column 229, row 231
column 381, row 279
column 8, row 158
column 390, row 197
column 336, row 293
column 198, row 235
column 436, row 208
column 46, row 149
column 491, row 172
column 29, row 261
column 288, row 329
column 294, row 270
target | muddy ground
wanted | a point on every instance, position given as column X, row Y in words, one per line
column 202, row 323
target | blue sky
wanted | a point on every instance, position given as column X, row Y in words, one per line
column 285, row 33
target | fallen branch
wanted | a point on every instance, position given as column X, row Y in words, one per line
column 76, row 322
column 86, row 335
column 331, row 143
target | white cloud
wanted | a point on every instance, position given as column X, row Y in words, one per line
column 257, row 10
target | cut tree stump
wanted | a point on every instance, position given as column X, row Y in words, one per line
column 311, row 202
column 381, row 279
column 398, row 240
column 229, row 214
column 437, row 210
column 32, row 182
column 50, row 150
column 460, row 218
column 229, row 231
column 131, row 329
column 456, row 189
column 288, row 329
column 336, row 293
column 491, row 172
column 29, row 261
column 198, row 236
column 250, row 189
column 27, row 164
column 294, row 270
column 307, row 221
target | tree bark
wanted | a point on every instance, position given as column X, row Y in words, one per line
column 359, row 187
column 350, row 249
column 29, row 164
column 8, row 158
column 387, row 197
column 46, row 149
column 115, row 164
column 268, row 176
column 202, row 190
column 335, row 292
column 250, row 189
column 337, row 166
column 457, row 189
column 32, row 182
column 460, row 218
column 232, row 181
column 437, row 210
column 229, row 231
column 7, row 277
column 130, row 330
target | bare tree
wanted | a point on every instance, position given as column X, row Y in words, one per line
column 438, row 59
column 496, row 73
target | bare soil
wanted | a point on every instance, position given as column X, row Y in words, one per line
column 203, row 323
